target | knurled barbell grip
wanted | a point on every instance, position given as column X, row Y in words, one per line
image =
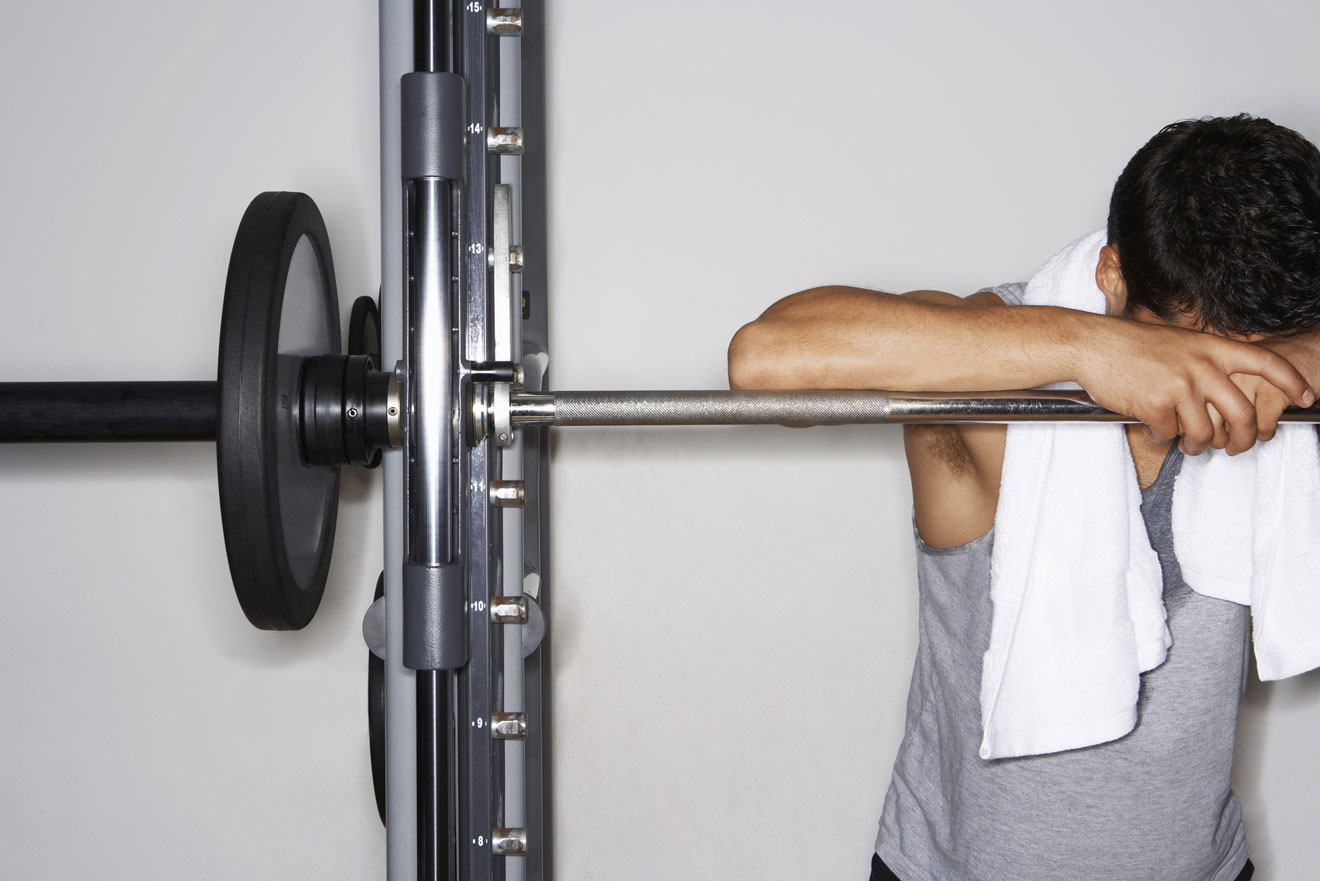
column 817, row 407
column 47, row 412
column 829, row 407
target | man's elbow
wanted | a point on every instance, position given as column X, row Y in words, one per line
column 755, row 358
column 774, row 351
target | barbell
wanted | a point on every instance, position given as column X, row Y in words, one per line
column 288, row 409
column 489, row 412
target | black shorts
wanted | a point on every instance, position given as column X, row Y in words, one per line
column 881, row 872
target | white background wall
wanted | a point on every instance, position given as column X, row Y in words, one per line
column 734, row 608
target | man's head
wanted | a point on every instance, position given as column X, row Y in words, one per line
column 1215, row 223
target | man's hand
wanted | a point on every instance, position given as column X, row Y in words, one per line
column 1268, row 401
column 1303, row 352
column 1210, row 390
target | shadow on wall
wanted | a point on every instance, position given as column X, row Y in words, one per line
column 182, row 477
column 1265, row 704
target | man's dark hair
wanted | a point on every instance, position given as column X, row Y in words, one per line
column 1220, row 219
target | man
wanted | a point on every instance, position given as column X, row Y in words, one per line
column 1211, row 279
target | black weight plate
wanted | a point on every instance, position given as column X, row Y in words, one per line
column 364, row 339
column 278, row 514
column 364, row 330
column 376, row 717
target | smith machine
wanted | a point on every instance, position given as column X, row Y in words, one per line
column 451, row 389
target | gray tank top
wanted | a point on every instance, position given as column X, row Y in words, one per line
column 1155, row 805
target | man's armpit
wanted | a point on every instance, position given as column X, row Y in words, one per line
column 952, row 499
column 944, row 444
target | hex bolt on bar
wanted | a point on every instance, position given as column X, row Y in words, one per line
column 641, row 408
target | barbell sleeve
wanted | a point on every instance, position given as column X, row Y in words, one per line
column 107, row 411
column 602, row 408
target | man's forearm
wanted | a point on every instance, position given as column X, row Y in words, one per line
column 838, row 337
column 1179, row 381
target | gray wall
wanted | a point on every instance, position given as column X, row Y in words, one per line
column 147, row 730
column 735, row 608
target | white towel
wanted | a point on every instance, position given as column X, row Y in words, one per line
column 1245, row 529
column 1076, row 587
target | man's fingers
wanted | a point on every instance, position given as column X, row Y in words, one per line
column 1269, row 407
column 1275, row 369
column 1268, row 401
column 1197, row 429
column 1232, row 415
column 1222, row 439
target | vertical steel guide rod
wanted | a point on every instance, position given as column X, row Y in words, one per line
column 431, row 97
column 430, row 501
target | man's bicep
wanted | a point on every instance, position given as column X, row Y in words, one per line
column 940, row 298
